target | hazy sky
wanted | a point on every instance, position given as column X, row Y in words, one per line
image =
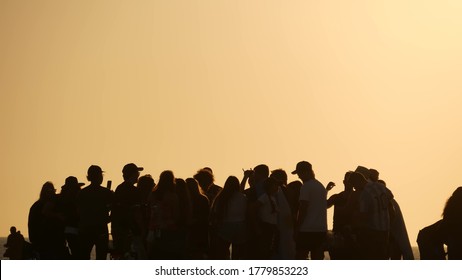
column 231, row 84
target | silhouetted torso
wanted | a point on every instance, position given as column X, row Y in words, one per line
column 341, row 218
column 94, row 205
column 46, row 229
column 126, row 198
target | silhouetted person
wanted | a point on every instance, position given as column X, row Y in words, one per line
column 353, row 214
column 452, row 223
column 343, row 240
column 228, row 222
column 375, row 205
column 312, row 214
column 285, row 243
column 94, row 203
column 431, row 240
column 184, row 221
column 266, row 224
column 293, row 196
column 164, row 227
column 400, row 246
column 255, row 178
column 260, row 174
column 339, row 202
column 145, row 187
column 366, row 172
column 199, row 229
column 68, row 203
column 14, row 245
column 46, row 226
column 213, row 189
column 125, row 225
column 205, row 178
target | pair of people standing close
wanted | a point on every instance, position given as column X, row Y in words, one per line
column 97, row 206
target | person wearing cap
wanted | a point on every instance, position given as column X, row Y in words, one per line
column 311, row 225
column 125, row 219
column 94, row 204
column 374, row 202
column 68, row 203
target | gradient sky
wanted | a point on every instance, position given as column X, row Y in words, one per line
column 231, row 84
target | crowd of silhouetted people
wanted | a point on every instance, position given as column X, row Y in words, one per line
column 259, row 216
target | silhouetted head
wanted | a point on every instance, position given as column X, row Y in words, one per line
column 95, row 174
column 131, row 172
column 280, row 176
column 357, row 180
column 208, row 169
column 205, row 178
column 232, row 183
column 12, row 229
column 71, row 185
column 347, row 185
column 260, row 173
column 166, row 178
column 180, row 185
column 48, row 191
column 374, row 175
column 453, row 209
column 166, row 184
column 193, row 187
column 364, row 171
column 220, row 204
column 72, row 181
column 304, row 170
column 146, row 181
column 145, row 185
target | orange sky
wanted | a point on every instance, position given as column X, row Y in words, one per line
column 230, row 84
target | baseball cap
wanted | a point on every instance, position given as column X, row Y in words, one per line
column 131, row 168
column 301, row 166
